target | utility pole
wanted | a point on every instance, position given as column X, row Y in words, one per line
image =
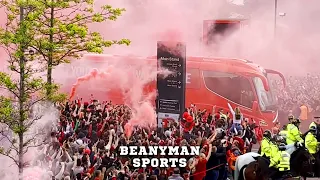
column 275, row 18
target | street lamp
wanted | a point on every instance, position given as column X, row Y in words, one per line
column 275, row 18
column 276, row 14
column 282, row 14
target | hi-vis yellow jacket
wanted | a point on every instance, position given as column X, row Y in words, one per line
column 311, row 143
column 293, row 135
column 266, row 147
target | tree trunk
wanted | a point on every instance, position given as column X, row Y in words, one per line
column 49, row 77
column 22, row 64
column 20, row 165
column 50, row 58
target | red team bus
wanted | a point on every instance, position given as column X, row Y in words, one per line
column 209, row 82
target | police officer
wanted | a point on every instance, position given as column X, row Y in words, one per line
column 311, row 142
column 274, row 151
column 290, row 118
column 312, row 145
column 266, row 144
column 281, row 161
column 294, row 135
column 276, row 163
column 283, row 133
column 313, row 124
column 277, row 139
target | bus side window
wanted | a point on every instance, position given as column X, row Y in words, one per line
column 230, row 86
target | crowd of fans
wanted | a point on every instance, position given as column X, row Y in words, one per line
column 300, row 90
column 87, row 140
column 86, row 144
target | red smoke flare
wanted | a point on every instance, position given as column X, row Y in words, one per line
column 92, row 75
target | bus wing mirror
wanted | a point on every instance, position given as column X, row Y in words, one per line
column 255, row 106
column 263, row 78
column 270, row 71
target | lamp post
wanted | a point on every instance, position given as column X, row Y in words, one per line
column 276, row 14
column 275, row 18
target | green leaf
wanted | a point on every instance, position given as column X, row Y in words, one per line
column 56, row 39
column 7, row 82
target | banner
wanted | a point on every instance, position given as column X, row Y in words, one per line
column 171, row 89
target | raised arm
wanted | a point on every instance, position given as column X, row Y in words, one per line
column 108, row 114
column 75, row 111
column 89, row 117
column 104, row 169
column 55, row 154
column 244, row 133
column 108, row 146
column 59, row 175
column 80, row 108
column 214, row 110
column 60, row 154
column 74, row 162
column 231, row 110
column 209, row 153
column 116, row 143
column 68, row 156
column 212, row 137
column 196, row 121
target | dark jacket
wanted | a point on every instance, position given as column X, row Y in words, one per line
column 223, row 154
column 217, row 158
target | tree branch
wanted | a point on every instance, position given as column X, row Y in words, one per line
column 11, row 157
column 5, row 137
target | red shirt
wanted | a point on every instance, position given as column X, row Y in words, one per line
column 100, row 130
column 205, row 117
column 99, row 134
column 207, row 148
column 79, row 102
column 140, row 170
column 61, row 138
column 165, row 123
column 178, row 140
column 259, row 133
column 90, row 130
column 217, row 116
column 188, row 126
column 91, row 170
column 185, row 115
column 170, row 171
column 200, row 170
column 241, row 143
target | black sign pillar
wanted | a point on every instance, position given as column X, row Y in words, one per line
column 171, row 89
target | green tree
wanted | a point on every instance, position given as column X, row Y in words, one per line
column 63, row 33
column 21, row 86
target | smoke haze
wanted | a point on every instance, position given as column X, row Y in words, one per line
column 38, row 132
column 294, row 51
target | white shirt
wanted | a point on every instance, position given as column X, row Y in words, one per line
column 237, row 121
